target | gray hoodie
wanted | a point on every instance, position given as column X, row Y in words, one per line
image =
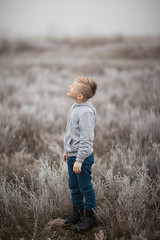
column 79, row 136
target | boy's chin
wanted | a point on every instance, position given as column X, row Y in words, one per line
column 68, row 94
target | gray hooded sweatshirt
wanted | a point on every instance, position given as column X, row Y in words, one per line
column 79, row 136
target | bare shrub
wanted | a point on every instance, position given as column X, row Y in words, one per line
column 29, row 209
column 126, row 206
column 23, row 135
column 147, row 128
column 19, row 163
column 26, row 133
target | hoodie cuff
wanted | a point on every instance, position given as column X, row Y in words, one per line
column 80, row 160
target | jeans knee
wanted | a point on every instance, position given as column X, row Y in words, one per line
column 72, row 185
column 86, row 189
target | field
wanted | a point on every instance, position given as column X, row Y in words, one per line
column 34, row 79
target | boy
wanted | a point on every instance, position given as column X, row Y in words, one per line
column 78, row 146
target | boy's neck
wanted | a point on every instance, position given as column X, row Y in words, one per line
column 78, row 101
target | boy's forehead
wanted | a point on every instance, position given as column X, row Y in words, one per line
column 77, row 83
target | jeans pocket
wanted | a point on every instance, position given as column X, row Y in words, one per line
column 90, row 159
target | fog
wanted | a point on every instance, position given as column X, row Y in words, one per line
column 79, row 18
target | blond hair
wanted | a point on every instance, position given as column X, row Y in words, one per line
column 89, row 87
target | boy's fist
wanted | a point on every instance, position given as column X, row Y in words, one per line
column 65, row 157
column 77, row 167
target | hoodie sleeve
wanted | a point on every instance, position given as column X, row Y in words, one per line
column 86, row 125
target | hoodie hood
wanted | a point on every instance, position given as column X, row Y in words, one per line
column 87, row 104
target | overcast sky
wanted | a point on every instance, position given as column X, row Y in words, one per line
column 79, row 17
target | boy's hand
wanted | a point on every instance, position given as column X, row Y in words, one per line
column 65, row 157
column 77, row 167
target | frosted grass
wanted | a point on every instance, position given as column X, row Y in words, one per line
column 34, row 79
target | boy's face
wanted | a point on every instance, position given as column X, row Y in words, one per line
column 75, row 91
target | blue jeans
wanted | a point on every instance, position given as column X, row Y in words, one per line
column 81, row 185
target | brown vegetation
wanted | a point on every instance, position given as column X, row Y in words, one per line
column 34, row 78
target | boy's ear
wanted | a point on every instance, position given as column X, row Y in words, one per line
column 80, row 96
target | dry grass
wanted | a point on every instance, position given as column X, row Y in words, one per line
column 34, row 78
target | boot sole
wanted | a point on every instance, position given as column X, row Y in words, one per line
column 70, row 224
column 80, row 230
